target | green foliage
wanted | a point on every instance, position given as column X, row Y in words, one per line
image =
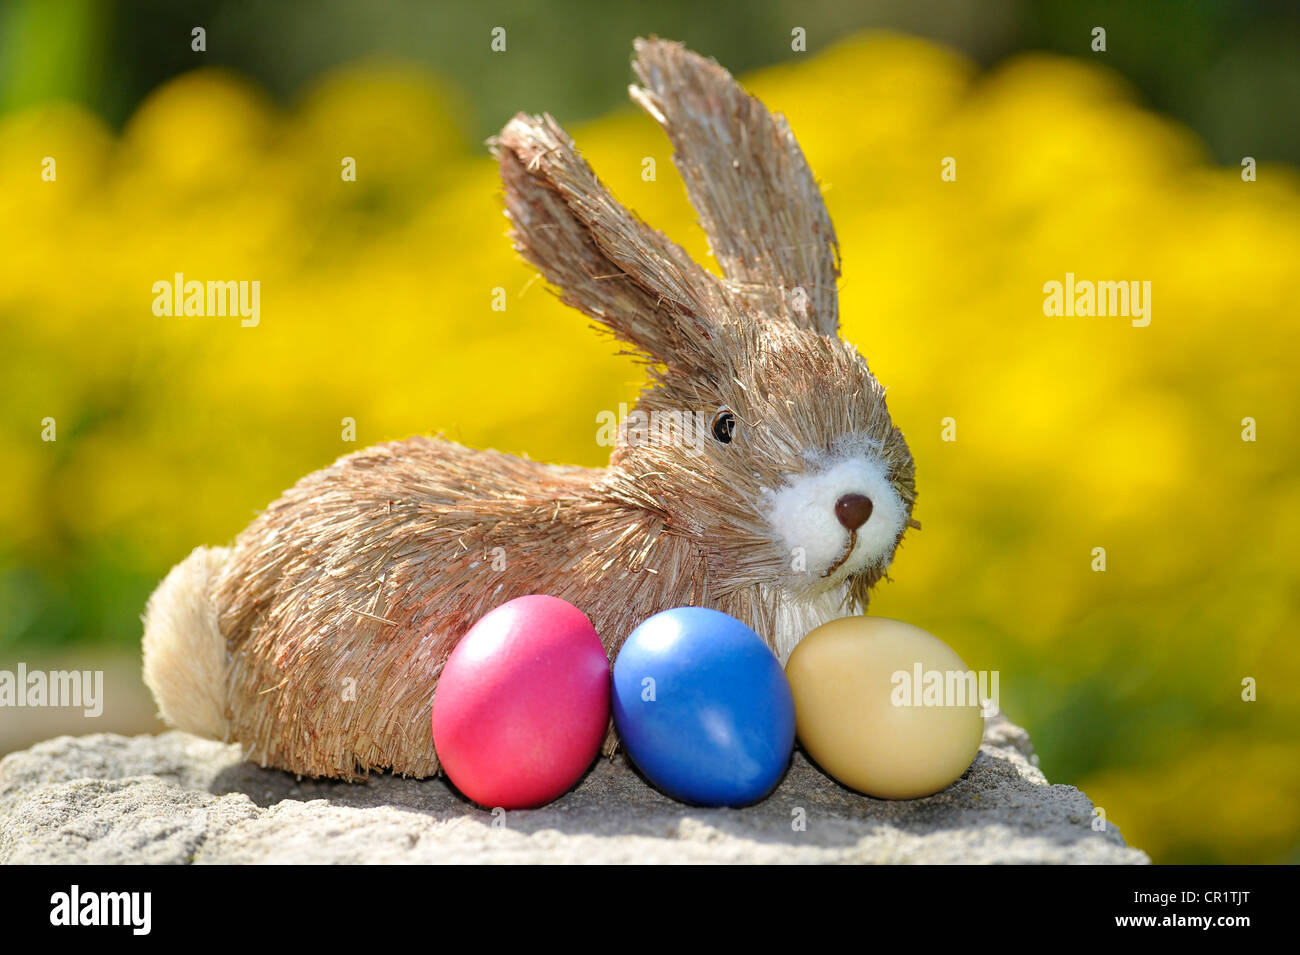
column 1072, row 433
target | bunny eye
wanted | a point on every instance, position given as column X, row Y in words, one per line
column 724, row 425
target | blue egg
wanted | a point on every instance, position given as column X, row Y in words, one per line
column 703, row 707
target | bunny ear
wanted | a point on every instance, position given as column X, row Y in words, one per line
column 747, row 178
column 603, row 260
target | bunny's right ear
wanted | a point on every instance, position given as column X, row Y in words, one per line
column 602, row 259
column 747, row 178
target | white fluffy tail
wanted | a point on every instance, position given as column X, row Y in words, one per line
column 185, row 658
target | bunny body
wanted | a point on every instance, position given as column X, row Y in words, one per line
column 317, row 639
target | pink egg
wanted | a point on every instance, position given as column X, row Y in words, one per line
column 522, row 704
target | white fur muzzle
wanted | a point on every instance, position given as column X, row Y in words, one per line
column 802, row 514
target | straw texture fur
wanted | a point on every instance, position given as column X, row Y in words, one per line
column 336, row 608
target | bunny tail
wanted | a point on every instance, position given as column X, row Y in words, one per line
column 185, row 659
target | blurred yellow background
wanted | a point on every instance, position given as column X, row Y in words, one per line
column 376, row 305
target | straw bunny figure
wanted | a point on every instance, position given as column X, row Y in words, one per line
column 317, row 639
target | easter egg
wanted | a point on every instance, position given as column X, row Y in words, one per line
column 522, row 704
column 885, row 707
column 703, row 707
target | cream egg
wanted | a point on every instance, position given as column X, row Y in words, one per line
column 885, row 707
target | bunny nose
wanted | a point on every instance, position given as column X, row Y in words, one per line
column 852, row 510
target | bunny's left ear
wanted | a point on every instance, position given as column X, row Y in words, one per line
column 747, row 178
column 603, row 259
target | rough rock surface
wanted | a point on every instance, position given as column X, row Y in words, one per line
column 175, row 798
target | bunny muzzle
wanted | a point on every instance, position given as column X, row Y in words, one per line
column 839, row 518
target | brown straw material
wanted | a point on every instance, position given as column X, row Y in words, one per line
column 341, row 602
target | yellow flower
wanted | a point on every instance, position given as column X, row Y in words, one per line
column 1075, row 437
